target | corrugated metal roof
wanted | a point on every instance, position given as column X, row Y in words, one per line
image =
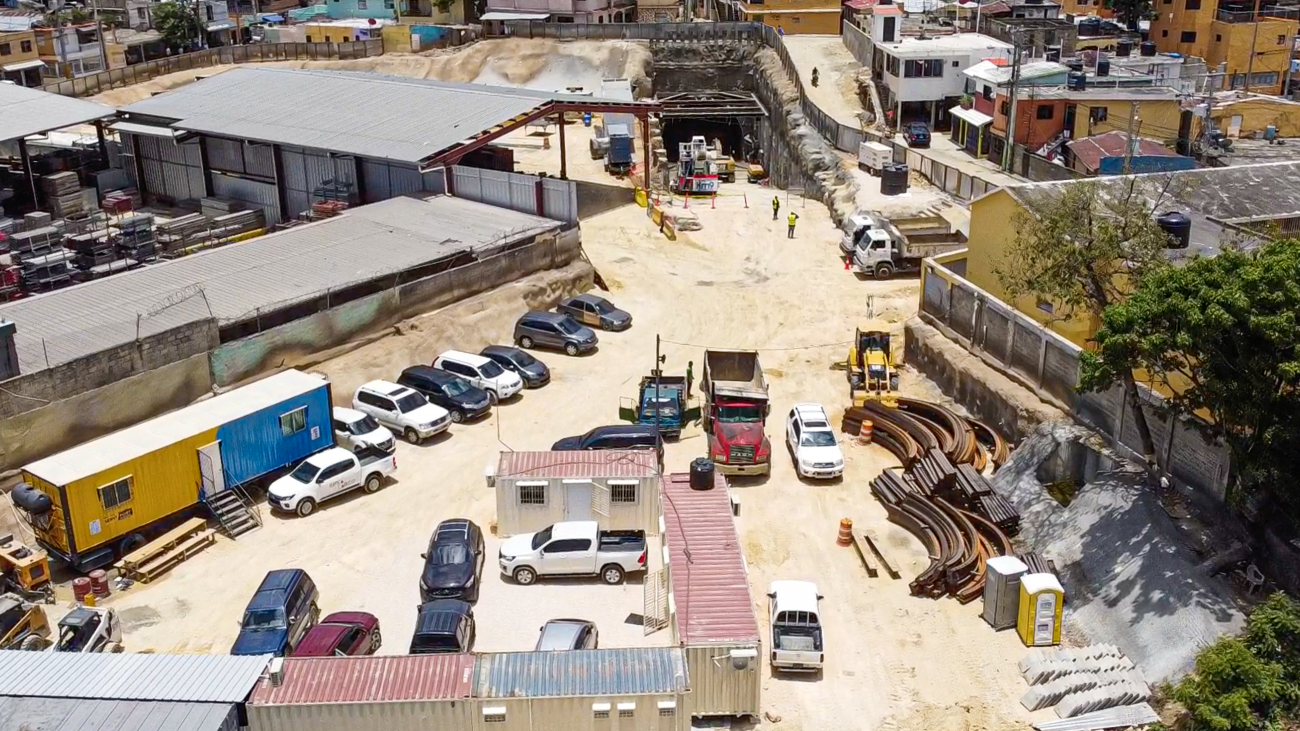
column 376, row 116
column 122, row 446
column 595, row 463
column 268, row 272
column 311, row 680
column 709, row 582
column 129, row 676
column 65, row 714
column 637, row 671
column 25, row 111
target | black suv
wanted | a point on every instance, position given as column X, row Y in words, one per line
column 533, row 371
column 443, row 626
column 622, row 436
column 453, row 565
column 463, row 400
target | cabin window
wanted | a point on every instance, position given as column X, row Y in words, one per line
column 600, row 711
column 495, row 714
column 293, row 422
column 532, row 493
column 667, row 708
column 116, row 493
column 622, row 491
column 626, row 710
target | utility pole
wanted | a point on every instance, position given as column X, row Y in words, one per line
column 1132, row 142
column 659, row 366
column 1009, row 150
column 99, row 32
column 1250, row 62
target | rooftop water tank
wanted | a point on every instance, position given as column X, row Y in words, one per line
column 1179, row 228
column 893, row 180
column 1076, row 81
column 1124, row 48
column 1148, row 48
column 1103, row 67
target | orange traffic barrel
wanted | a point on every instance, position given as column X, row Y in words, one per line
column 80, row 588
column 864, row 432
column 99, row 583
column 845, row 537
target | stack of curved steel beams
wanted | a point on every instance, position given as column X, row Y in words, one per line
column 940, row 495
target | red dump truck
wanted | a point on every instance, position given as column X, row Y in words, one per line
column 735, row 410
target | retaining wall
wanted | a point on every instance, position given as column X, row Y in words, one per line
column 244, row 358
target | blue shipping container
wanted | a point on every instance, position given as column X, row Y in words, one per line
column 276, row 436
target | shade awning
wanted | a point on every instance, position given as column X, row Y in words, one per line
column 273, row 18
column 498, row 15
column 219, row 25
column 149, row 130
column 24, row 65
column 979, row 119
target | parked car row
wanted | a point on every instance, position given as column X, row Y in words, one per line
column 569, row 327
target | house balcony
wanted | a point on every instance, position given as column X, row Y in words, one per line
column 1252, row 16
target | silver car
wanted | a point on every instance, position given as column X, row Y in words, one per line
column 567, row 634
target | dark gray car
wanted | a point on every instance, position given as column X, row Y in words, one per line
column 533, row 371
column 553, row 330
column 594, row 311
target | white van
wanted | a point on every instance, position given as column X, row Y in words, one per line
column 402, row 409
column 358, row 432
column 483, row 372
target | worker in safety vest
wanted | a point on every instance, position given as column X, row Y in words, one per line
column 776, row 207
column 791, row 220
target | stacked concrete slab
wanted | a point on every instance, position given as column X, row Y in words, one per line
column 1081, row 680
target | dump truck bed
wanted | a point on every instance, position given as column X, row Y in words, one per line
column 734, row 373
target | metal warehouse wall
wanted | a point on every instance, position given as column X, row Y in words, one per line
column 391, row 716
column 517, row 192
column 170, row 169
column 254, row 445
column 306, row 170
column 240, row 359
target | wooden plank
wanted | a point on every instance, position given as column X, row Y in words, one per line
column 162, row 543
column 875, row 549
column 862, row 554
column 166, row 561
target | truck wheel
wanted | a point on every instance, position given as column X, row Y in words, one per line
column 412, row 436
column 524, row 576
column 571, row 349
column 884, row 271
column 612, row 574
column 526, row 343
column 373, row 483
column 306, row 507
column 131, row 543
column 457, row 416
column 606, row 325
column 32, row 643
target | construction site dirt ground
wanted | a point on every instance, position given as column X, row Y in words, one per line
column 892, row 660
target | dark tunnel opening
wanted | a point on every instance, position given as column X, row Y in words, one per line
column 678, row 130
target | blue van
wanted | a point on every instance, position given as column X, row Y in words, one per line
column 279, row 614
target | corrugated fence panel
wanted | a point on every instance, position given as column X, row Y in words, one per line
column 375, row 176
column 295, row 174
column 523, row 193
column 259, row 160
column 403, row 180
column 227, row 155
column 560, row 199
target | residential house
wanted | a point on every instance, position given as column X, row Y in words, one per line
column 1054, row 38
column 346, row 9
column 793, row 16
column 1218, row 200
column 659, row 11
column 1239, row 38
column 1114, row 153
column 566, row 11
column 70, row 50
column 1040, row 9
column 218, row 26
column 923, row 77
column 127, row 47
column 1242, row 114
column 345, row 31
column 987, row 86
column 19, row 60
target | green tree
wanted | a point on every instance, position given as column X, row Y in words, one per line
column 1129, row 12
column 177, row 23
column 1223, row 335
column 1083, row 249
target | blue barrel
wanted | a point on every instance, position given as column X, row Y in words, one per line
column 586, row 119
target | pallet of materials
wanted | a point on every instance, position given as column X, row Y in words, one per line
column 36, row 242
column 51, row 271
column 216, row 207
column 92, row 249
column 64, row 183
column 122, row 201
column 35, row 220
column 104, row 270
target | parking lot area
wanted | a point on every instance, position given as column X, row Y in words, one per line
column 893, row 660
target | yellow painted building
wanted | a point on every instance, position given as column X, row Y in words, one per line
column 1098, row 111
column 1242, row 115
column 343, row 31
column 795, row 16
column 17, row 47
column 1247, row 43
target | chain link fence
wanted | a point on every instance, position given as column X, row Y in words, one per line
column 1048, row 364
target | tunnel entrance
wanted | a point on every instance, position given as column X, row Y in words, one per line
column 725, row 116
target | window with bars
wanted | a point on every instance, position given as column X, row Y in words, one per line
column 116, row 493
column 622, row 492
column 532, row 493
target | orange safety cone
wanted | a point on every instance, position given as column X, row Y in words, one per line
column 845, row 538
column 848, row 263
column 865, row 431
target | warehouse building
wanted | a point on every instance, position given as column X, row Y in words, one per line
column 710, row 609
column 582, row 690
column 284, row 139
column 619, row 489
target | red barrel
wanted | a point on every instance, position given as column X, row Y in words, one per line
column 99, row 583
column 80, row 588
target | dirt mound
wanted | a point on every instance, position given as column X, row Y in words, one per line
column 533, row 63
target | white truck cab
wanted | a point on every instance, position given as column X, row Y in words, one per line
column 573, row 548
column 329, row 474
column 794, row 611
column 858, row 230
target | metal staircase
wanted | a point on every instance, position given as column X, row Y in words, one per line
column 235, row 511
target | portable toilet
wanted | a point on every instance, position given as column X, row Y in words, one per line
column 1041, row 600
column 1002, row 591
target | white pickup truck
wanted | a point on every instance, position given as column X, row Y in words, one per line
column 574, row 548
column 796, row 626
column 328, row 474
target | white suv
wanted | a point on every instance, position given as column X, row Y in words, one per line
column 358, row 432
column 483, row 372
column 401, row 409
column 812, row 443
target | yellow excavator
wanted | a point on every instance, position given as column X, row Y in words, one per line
column 871, row 369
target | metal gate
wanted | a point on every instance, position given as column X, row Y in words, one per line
column 600, row 499
column 654, row 616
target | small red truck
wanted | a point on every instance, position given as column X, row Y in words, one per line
column 735, row 411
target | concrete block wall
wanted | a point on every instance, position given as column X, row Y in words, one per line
column 31, row 391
